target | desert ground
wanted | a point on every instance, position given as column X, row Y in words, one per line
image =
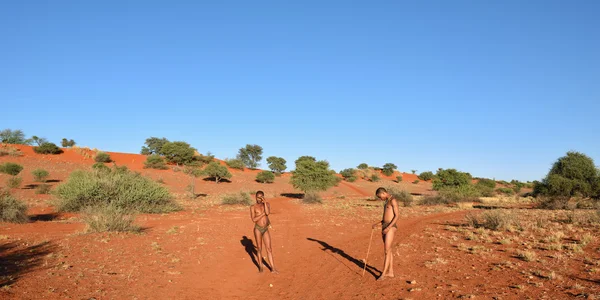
column 206, row 251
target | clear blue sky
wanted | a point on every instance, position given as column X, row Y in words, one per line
column 497, row 88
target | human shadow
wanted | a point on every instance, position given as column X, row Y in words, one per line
column 16, row 261
column 44, row 217
column 340, row 252
column 213, row 179
column 252, row 252
column 292, row 195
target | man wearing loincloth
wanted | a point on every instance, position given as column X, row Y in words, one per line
column 388, row 230
column 259, row 213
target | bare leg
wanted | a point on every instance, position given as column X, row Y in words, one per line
column 258, row 238
column 267, row 239
column 389, row 241
column 385, row 266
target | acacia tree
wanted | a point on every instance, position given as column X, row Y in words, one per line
column 154, row 145
column 38, row 140
column 277, row 164
column 571, row 175
column 9, row 136
column 178, row 152
column 217, row 171
column 388, row 169
column 250, row 155
column 67, row 143
column 311, row 175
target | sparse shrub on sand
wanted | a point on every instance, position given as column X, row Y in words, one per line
column 241, row 198
column 348, row 174
column 40, row 175
column 109, row 219
column 11, row 209
column 8, row 136
column 123, row 190
column 42, row 189
column 416, row 181
column 375, row 178
column 47, row 148
column 526, row 255
column 413, row 171
column 450, row 195
column 312, row 198
column 489, row 183
column 14, row 182
column 153, row 145
column 265, row 177
column 11, row 168
column 67, row 143
column 38, row 140
column 388, row 169
column 402, row 196
column 9, row 150
column 363, row 166
column 155, row 161
column 498, row 219
column 505, row 191
column 217, row 171
column 205, row 159
column 102, row 157
column 277, row 164
column 235, row 164
column 100, row 167
column 250, row 155
column 399, row 178
column 426, row 176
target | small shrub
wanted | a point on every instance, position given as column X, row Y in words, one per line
column 363, row 166
column 374, row 178
column 9, row 136
column 47, row 148
column 40, row 175
column 205, row 159
column 123, row 190
column 505, row 191
column 399, row 178
column 486, row 183
column 402, row 196
column 11, row 209
column 14, row 182
column 10, row 151
column 235, row 164
column 11, row 168
column 100, row 167
column 553, row 202
column 155, row 161
column 312, row 198
column 434, row 200
column 265, row 177
column 67, row 143
column 426, row 176
column 348, row 174
column 388, row 169
column 109, row 218
column 217, row 171
column 42, row 189
column 413, row 171
column 102, row 157
column 240, row 198
column 416, row 181
column 526, row 255
column 497, row 220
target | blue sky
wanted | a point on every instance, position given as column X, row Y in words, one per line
column 500, row 89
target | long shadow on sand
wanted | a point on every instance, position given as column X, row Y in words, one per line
column 16, row 261
column 251, row 250
column 351, row 259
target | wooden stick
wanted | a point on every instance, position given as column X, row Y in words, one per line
column 368, row 250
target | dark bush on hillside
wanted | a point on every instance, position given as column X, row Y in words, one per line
column 155, row 161
column 413, row 171
column 312, row 198
column 448, row 195
column 100, row 167
column 265, row 177
column 348, row 174
column 179, row 153
column 11, row 209
column 120, row 189
column 505, row 191
column 363, row 166
column 388, row 169
column 486, row 187
column 153, row 145
column 14, row 182
column 451, row 178
column 8, row 136
column 102, row 157
column 205, row 159
column 240, row 198
column 517, row 186
column 39, row 140
column 486, row 182
column 40, row 175
column 276, row 164
column 11, row 168
column 250, row 155
column 374, row 178
column 47, row 148
column 67, row 143
column 416, row 181
column 235, row 164
column 426, row 176
column 553, row 202
column 312, row 175
column 572, row 175
column 217, row 172
column 399, row 178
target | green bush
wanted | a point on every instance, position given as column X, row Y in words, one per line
column 401, row 195
column 109, row 218
column 416, row 181
column 486, row 183
column 67, row 143
column 517, row 186
column 235, row 164
column 217, row 171
column 102, row 157
column 265, row 177
column 413, row 171
column 399, row 178
column 38, row 140
column 100, row 167
column 313, row 176
column 250, row 155
column 153, row 146
column 505, row 191
column 11, row 168
column 121, row 189
column 485, row 191
column 11, row 209
column 8, row 136
column 179, row 153
column 14, row 182
column 374, row 178
column 450, row 178
column 312, row 198
column 388, row 169
column 348, row 174
column 9, row 150
column 40, row 175
column 240, row 198
column 572, row 175
column 155, row 161
column 205, row 159
column 47, row 148
column 448, row 195
column 363, row 166
column 426, row 176
column 42, row 189
column 276, row 164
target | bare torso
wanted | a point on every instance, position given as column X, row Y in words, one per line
column 258, row 209
column 388, row 211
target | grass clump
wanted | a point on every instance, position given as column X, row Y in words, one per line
column 349, row 174
column 526, row 255
column 426, row 176
column 11, row 168
column 47, row 148
column 155, row 161
column 375, row 178
column 120, row 188
column 42, row 189
column 109, row 218
column 399, row 178
column 312, row 198
column 416, row 181
column 40, row 175
column 11, row 209
column 402, row 196
column 240, row 198
column 493, row 220
column 265, row 177
column 505, row 191
column 14, row 182
column 235, row 164
column 102, row 157
column 10, row 151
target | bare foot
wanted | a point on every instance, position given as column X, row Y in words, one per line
column 381, row 278
column 275, row 271
column 260, row 270
column 391, row 275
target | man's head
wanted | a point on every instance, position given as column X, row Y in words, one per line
column 382, row 193
column 260, row 196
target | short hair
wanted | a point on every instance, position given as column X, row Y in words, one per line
column 260, row 193
column 380, row 190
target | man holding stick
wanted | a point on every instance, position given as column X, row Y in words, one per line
column 388, row 230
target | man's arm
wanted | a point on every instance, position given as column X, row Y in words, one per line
column 254, row 217
column 395, row 218
column 267, row 208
